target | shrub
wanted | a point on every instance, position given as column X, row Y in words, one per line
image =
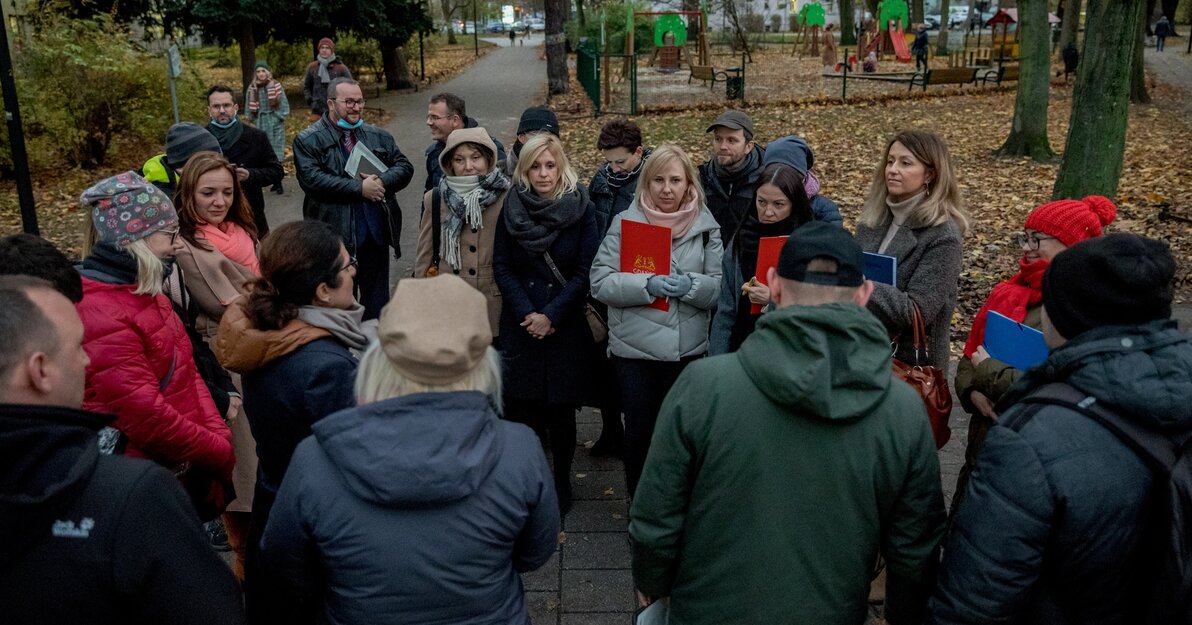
column 285, row 58
column 753, row 23
column 362, row 56
column 84, row 86
column 615, row 29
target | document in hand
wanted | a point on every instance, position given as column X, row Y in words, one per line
column 646, row 249
column 362, row 163
column 881, row 268
column 1019, row 346
column 768, row 249
column 658, row 613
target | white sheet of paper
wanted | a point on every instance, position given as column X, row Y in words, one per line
column 657, row 614
column 362, row 163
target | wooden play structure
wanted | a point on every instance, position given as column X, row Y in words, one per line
column 1004, row 46
column 670, row 38
column 889, row 33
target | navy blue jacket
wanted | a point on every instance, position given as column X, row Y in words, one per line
column 609, row 200
column 546, row 369
column 417, row 509
column 1051, row 521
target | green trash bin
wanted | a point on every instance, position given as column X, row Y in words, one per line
column 734, row 83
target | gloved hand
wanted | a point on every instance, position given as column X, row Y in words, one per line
column 656, row 286
column 676, row 285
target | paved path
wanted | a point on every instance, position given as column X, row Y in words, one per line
column 497, row 88
column 1173, row 67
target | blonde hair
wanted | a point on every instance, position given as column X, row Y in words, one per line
column 943, row 201
column 660, row 158
column 150, row 270
column 530, row 152
column 377, row 379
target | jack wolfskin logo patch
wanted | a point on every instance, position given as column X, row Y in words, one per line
column 70, row 529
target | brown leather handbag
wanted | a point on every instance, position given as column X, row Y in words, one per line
column 931, row 383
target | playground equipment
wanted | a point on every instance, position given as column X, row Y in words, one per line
column 670, row 33
column 1005, row 48
column 810, row 21
column 889, row 35
column 671, row 23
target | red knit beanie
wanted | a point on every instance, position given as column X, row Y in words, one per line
column 1073, row 221
column 326, row 41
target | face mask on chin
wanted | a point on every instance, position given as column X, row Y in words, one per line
column 225, row 126
column 343, row 123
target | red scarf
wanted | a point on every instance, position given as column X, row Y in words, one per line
column 273, row 91
column 1011, row 298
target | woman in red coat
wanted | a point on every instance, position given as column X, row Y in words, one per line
column 142, row 370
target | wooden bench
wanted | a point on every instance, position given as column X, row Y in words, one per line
column 706, row 73
column 946, row 76
column 1005, row 73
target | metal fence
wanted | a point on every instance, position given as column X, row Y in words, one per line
column 610, row 81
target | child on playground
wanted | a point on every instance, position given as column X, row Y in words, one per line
column 870, row 64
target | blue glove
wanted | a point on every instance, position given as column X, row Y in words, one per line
column 656, row 286
column 676, row 285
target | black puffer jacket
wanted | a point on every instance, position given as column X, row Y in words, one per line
column 609, row 200
column 98, row 539
column 1051, row 520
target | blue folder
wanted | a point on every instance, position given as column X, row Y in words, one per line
column 881, row 268
column 1019, row 346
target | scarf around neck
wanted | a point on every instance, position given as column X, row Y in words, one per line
column 344, row 325
column 1011, row 298
column 617, row 181
column 680, row 221
column 273, row 91
column 227, row 137
column 234, row 242
column 732, row 177
column 466, row 198
column 536, row 222
column 324, row 75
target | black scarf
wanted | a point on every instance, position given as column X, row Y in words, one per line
column 536, row 222
column 740, row 177
column 617, row 181
column 227, row 137
column 748, row 240
column 110, row 264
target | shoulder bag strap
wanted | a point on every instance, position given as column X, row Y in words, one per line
column 554, row 268
column 436, row 226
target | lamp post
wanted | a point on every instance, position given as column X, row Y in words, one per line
column 475, row 32
column 16, row 134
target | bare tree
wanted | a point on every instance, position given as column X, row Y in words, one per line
column 449, row 8
column 556, row 53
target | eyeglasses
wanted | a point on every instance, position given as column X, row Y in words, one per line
column 432, row 118
column 352, row 264
column 173, row 235
column 1031, row 240
column 350, row 103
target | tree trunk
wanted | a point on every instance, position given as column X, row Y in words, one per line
column 556, row 54
column 1092, row 161
column 248, row 53
column 941, row 42
column 397, row 68
column 448, row 11
column 1138, row 93
column 1028, row 132
column 1071, row 25
column 916, row 14
column 1169, row 9
column 583, row 21
column 848, row 30
column 740, row 39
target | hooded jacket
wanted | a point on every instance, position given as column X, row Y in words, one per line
column 1053, row 514
column 778, row 473
column 98, row 539
column 793, row 151
column 635, row 330
column 417, row 509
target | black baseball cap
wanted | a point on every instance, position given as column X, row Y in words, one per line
column 819, row 239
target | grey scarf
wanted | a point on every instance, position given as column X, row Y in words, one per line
column 536, row 222
column 324, row 75
column 344, row 325
column 490, row 187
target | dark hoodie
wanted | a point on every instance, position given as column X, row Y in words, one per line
column 98, row 539
column 434, row 171
column 794, row 151
column 778, row 473
column 1053, row 514
column 418, row 509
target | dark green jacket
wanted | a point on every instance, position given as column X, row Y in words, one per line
column 778, row 473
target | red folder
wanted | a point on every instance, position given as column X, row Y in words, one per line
column 646, row 249
column 768, row 249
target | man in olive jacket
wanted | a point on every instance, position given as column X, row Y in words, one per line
column 363, row 209
column 778, row 474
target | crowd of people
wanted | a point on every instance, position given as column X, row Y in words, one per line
column 376, row 454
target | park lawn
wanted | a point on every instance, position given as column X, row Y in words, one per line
column 1155, row 195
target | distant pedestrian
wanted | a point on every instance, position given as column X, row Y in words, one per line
column 419, row 505
column 267, row 107
column 1163, row 30
column 512, row 36
column 247, row 148
column 777, row 475
column 325, row 68
column 1071, row 59
column 920, row 47
column 829, row 51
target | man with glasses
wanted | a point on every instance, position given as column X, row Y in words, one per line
column 247, row 148
column 446, row 113
column 363, row 209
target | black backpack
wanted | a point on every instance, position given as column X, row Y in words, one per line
column 1167, row 594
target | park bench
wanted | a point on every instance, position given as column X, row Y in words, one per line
column 706, row 73
column 1005, row 73
column 945, row 76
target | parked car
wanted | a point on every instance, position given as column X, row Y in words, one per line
column 537, row 24
column 495, row 26
column 932, row 22
column 957, row 16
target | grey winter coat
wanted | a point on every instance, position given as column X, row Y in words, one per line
column 929, row 262
column 635, row 329
column 419, row 509
column 1049, row 527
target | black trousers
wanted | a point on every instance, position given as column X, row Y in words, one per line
column 372, row 276
column 644, row 384
column 553, row 421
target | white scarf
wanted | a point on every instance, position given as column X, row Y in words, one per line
column 468, row 189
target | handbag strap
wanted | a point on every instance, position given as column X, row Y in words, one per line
column 436, row 226
column 918, row 335
column 554, row 268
